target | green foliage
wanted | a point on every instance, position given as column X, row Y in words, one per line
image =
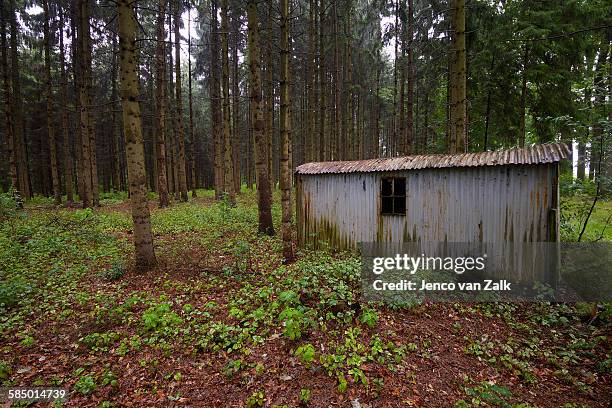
column 113, row 273
column 51, row 261
column 349, row 357
column 109, row 378
column 233, row 367
column 570, row 186
column 10, row 206
column 256, row 399
column 85, row 384
column 304, row 396
column 241, row 253
column 574, row 211
column 294, row 322
column 306, row 353
column 100, row 341
column 487, row 393
column 114, row 197
column 369, row 317
column 12, row 291
column 5, row 370
column 160, row 317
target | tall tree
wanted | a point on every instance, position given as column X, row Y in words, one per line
column 132, row 127
column 523, row 101
column 309, row 143
column 600, row 90
column 68, row 162
column 458, row 109
column 336, row 87
column 264, row 191
column 180, row 131
column 17, row 109
column 160, row 96
column 323, row 153
column 84, row 71
column 192, row 160
column 268, row 89
column 236, row 139
column 349, row 84
column 8, row 124
column 215, row 102
column 115, row 130
column 227, row 141
column 49, row 97
column 285, row 119
column 409, row 135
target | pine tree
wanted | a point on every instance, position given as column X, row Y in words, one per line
column 180, row 131
column 458, row 109
column 8, row 124
column 227, row 142
column 50, row 114
column 256, row 101
column 160, row 96
column 285, row 118
column 132, row 127
column 215, row 103
column 21, row 158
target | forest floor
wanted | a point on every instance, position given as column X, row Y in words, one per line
column 221, row 322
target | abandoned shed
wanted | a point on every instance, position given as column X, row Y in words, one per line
column 500, row 196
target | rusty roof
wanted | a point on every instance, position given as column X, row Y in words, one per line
column 536, row 154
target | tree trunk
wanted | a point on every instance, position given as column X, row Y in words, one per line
column 523, row 102
column 285, row 122
column 172, row 143
column 324, row 154
column 396, row 64
column 250, row 165
column 143, row 237
column 599, row 91
column 215, row 103
column 269, row 96
column 116, row 157
column 488, row 108
column 180, row 133
column 309, row 140
column 23, row 173
column 263, row 181
column 236, row 133
column 348, row 116
column 76, row 84
column 409, row 139
column 84, row 101
column 398, row 144
column 227, row 141
column 91, row 128
column 8, row 126
column 160, row 96
column 57, row 198
column 581, row 162
column 458, row 85
column 335, row 142
column 193, row 180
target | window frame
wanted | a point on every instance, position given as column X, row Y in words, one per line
column 392, row 198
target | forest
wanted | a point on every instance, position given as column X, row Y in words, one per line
column 151, row 246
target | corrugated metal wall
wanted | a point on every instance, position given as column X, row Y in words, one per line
column 478, row 204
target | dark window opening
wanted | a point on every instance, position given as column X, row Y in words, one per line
column 393, row 196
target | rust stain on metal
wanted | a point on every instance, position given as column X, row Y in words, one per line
column 537, row 154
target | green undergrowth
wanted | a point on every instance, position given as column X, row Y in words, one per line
column 222, row 293
column 44, row 256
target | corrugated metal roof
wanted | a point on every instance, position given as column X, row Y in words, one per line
column 537, row 154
